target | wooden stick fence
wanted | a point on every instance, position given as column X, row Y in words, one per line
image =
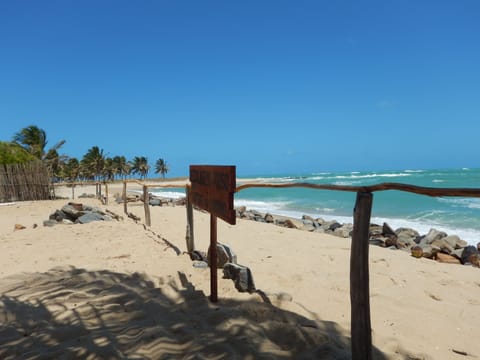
column 145, row 197
column 20, row 182
column 361, row 337
column 361, row 332
column 98, row 188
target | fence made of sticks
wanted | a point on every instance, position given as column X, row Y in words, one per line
column 21, row 182
column 361, row 338
column 359, row 259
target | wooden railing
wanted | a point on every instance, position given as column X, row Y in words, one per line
column 359, row 255
column 359, row 269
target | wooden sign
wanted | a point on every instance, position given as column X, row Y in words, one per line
column 213, row 187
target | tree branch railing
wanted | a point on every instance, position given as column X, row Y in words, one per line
column 420, row 190
column 361, row 331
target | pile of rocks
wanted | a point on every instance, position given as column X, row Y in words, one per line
column 436, row 245
column 307, row 223
column 75, row 213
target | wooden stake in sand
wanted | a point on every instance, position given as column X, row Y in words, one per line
column 146, row 206
column 212, row 189
column 359, row 278
column 189, row 235
column 124, row 197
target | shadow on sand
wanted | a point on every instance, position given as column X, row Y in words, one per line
column 70, row 313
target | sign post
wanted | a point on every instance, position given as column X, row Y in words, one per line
column 213, row 187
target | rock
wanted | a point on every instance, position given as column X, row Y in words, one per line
column 34, row 226
column 417, row 252
column 334, row 225
column 224, row 255
column 433, row 235
column 375, row 230
column 58, row 215
column 308, row 218
column 453, row 241
column 457, row 253
column 76, row 206
column 93, row 209
column 49, row 223
column 405, row 243
column 199, row 256
column 343, row 231
column 470, row 256
column 445, row 258
column 269, row 218
column 288, row 223
column 387, row 230
column 308, row 222
column 406, row 237
column 89, row 217
column 377, row 242
column 443, row 245
column 407, row 232
column 241, row 275
column 180, row 201
column 429, row 251
column 478, row 246
column 391, row 241
column 309, row 227
column 461, row 244
column 155, row 202
column 240, row 210
column 200, row 264
column 71, row 212
column 18, row 227
column 67, row 222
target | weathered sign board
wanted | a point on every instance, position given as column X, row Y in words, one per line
column 213, row 188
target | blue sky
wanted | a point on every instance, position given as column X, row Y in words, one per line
column 270, row 86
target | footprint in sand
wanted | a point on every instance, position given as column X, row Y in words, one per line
column 434, row 297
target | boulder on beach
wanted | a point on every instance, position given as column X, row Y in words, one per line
column 78, row 214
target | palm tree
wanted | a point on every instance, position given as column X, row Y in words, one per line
column 71, row 169
column 161, row 167
column 93, row 163
column 140, row 166
column 34, row 140
column 109, row 169
column 122, row 166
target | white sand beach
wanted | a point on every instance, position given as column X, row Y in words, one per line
column 118, row 289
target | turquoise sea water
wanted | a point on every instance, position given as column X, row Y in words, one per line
column 460, row 216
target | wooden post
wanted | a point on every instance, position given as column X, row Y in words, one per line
column 189, row 235
column 106, row 194
column 146, row 205
column 213, row 259
column 73, row 191
column 124, row 196
column 361, row 331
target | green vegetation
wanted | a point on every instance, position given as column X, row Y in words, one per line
column 11, row 153
column 30, row 144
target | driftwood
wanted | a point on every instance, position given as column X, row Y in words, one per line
column 113, row 215
column 420, row 190
column 134, row 217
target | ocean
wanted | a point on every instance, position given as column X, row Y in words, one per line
column 459, row 216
